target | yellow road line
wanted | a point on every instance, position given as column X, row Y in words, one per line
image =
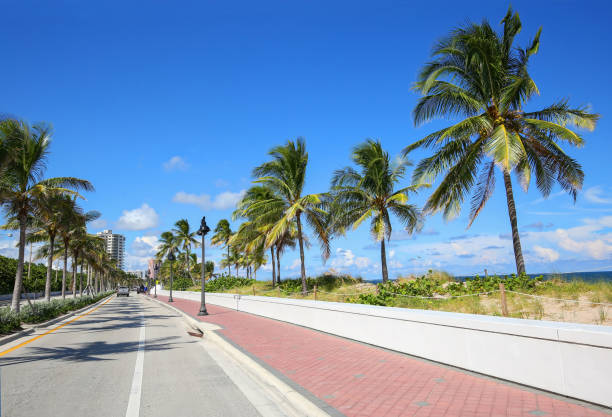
column 52, row 330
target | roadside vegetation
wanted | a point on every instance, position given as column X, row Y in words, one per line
column 45, row 211
column 41, row 311
column 528, row 298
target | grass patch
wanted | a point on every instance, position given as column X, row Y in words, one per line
column 435, row 291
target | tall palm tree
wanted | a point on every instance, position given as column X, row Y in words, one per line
column 222, row 236
column 185, row 238
column 71, row 217
column 479, row 75
column 369, row 193
column 48, row 208
column 91, row 248
column 22, row 181
column 256, row 206
column 285, row 175
column 252, row 234
column 168, row 244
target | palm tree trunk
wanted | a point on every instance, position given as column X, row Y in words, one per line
column 273, row 266
column 383, row 261
column 303, row 267
column 278, row 279
column 65, row 270
column 74, row 275
column 16, row 300
column 516, row 239
column 30, row 263
column 229, row 270
column 81, row 280
column 96, row 281
column 49, row 268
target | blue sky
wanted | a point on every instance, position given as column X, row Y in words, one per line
column 167, row 107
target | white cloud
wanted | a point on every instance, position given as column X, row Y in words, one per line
column 590, row 240
column 546, row 254
column 145, row 246
column 294, row 265
column 595, row 195
column 8, row 246
column 142, row 249
column 98, row 224
column 469, row 251
column 141, row 218
column 345, row 258
column 393, row 264
column 391, row 253
column 362, row 262
column 222, row 201
column 176, row 163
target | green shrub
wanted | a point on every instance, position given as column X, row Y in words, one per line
column 9, row 321
column 226, row 282
column 325, row 282
column 43, row 311
column 181, row 283
column 427, row 286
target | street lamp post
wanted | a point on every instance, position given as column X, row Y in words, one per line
column 155, row 269
column 148, row 275
column 171, row 259
column 202, row 232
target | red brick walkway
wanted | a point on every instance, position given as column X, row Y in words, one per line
column 360, row 380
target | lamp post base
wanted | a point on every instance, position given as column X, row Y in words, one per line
column 203, row 312
column 170, row 300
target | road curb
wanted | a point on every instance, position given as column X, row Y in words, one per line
column 9, row 338
column 293, row 398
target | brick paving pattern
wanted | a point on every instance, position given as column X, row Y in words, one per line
column 360, row 380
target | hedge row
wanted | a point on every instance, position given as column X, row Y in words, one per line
column 38, row 276
column 39, row 312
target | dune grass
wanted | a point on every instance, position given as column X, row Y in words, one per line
column 573, row 301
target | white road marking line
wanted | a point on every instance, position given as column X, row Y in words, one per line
column 133, row 408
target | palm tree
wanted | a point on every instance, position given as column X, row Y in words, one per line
column 48, row 208
column 92, row 247
column 168, row 244
column 22, row 182
column 222, row 236
column 185, row 237
column 369, row 193
column 70, row 217
column 285, row 175
column 477, row 74
column 254, row 232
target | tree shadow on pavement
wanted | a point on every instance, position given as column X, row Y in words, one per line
column 92, row 351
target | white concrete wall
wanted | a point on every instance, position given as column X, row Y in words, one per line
column 565, row 358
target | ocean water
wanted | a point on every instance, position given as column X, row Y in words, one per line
column 592, row 276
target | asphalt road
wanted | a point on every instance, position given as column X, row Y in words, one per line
column 131, row 357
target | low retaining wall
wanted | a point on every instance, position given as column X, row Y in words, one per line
column 565, row 358
column 32, row 295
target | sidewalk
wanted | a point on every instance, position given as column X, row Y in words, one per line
column 360, row 380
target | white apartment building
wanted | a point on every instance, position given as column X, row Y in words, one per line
column 115, row 246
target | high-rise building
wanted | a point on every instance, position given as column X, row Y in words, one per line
column 115, row 246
